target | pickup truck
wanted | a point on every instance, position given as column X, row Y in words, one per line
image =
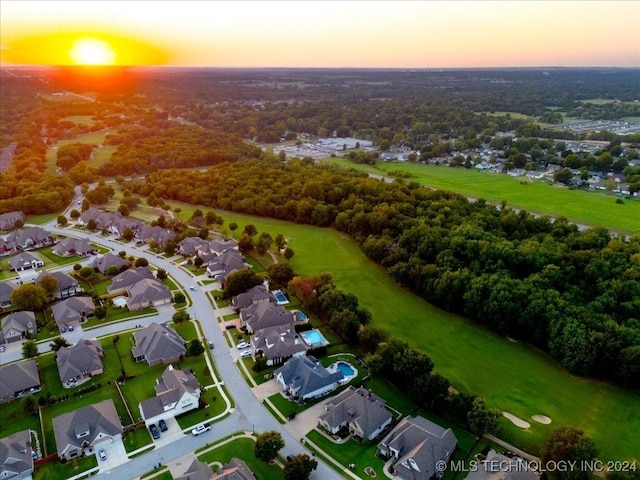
column 201, row 429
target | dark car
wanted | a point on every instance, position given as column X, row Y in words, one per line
column 163, row 426
column 155, row 433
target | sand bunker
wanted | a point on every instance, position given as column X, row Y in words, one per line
column 518, row 422
column 542, row 419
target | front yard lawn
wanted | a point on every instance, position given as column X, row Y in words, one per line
column 226, row 452
column 135, row 439
column 56, row 470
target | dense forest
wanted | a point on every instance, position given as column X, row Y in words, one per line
column 573, row 293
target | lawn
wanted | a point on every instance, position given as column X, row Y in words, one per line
column 94, row 138
column 243, row 447
column 588, row 208
column 56, row 470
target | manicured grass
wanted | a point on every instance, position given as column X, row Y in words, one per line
column 52, row 260
column 42, row 219
column 243, row 448
column 394, row 397
column 135, row 439
column 588, row 208
column 93, row 138
column 55, row 470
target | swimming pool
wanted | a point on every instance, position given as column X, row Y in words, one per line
column 313, row 338
column 301, row 316
column 346, row 369
column 281, row 298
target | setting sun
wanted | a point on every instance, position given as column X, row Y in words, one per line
column 90, row 51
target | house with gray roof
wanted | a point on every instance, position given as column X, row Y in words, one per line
column 18, row 379
column 30, row 237
column 359, row 410
column 10, row 220
column 85, row 430
column 6, row 248
column 157, row 233
column 191, row 246
column 119, row 226
column 277, row 344
column 257, row 294
column 103, row 263
column 72, row 311
column 16, row 459
column 90, row 213
column 25, row 261
column 177, row 392
column 302, row 378
column 500, row 467
column 6, row 289
column 416, row 445
column 226, row 262
column 74, row 246
column 126, row 279
column 156, row 344
column 84, row 359
column 68, row 286
column 17, row 325
column 221, row 245
column 236, row 469
column 197, row 471
column 264, row 315
column 148, row 292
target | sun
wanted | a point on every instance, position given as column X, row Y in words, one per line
column 91, row 51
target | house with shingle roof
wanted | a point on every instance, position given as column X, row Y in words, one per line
column 157, row 233
column 236, row 469
column 126, row 279
column 103, row 263
column 17, row 326
column 359, row 410
column 6, row 289
column 230, row 260
column 264, row 315
column 30, row 237
column 417, row 445
column 74, row 246
column 25, row 261
column 221, row 245
column 305, row 378
column 191, row 246
column 277, row 344
column 68, row 286
column 84, row 359
column 257, row 294
column 83, row 431
column 500, row 467
column 16, row 459
column 72, row 311
column 18, row 379
column 9, row 220
column 148, row 292
column 197, row 471
column 177, row 392
column 156, row 344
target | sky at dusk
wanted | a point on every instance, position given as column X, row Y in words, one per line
column 392, row 34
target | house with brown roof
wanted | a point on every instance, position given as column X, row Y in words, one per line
column 148, row 292
column 72, row 311
column 177, row 392
column 362, row 412
column 82, row 360
column 156, row 344
column 17, row 326
column 86, row 429
column 16, row 459
column 416, row 446
column 18, row 379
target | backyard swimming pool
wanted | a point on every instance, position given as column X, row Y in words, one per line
column 301, row 316
column 281, row 298
column 348, row 371
column 313, row 338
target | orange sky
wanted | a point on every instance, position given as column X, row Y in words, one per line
column 412, row 34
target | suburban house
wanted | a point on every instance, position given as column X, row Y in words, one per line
column 157, row 233
column 197, row 471
column 107, row 260
column 10, row 220
column 84, row 359
column 16, row 326
column 177, row 392
column 158, row 344
column 148, row 292
column 264, row 315
column 30, row 237
column 72, row 311
column 16, row 458
column 226, row 262
column 113, row 222
column 126, row 279
column 499, row 467
column 6, row 248
column 119, row 225
column 67, row 285
column 303, row 378
column 18, row 379
column 74, row 246
column 259, row 293
column 236, row 469
column 417, row 445
column 192, row 246
column 84, row 430
column 359, row 410
column 221, row 245
column 25, row 261
column 6, row 289
column 277, row 344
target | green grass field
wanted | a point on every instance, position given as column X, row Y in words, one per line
column 588, row 208
column 227, row 451
column 94, row 138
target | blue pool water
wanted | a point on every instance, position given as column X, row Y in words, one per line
column 280, row 297
column 313, row 337
column 346, row 369
column 301, row 316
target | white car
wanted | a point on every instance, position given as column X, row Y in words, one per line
column 200, row 429
column 243, row 345
column 184, row 264
column 245, row 353
column 193, row 289
column 102, row 454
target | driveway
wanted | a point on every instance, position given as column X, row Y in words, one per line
column 116, row 455
column 173, row 433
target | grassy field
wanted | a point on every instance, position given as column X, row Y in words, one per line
column 588, row 208
column 227, row 451
column 94, row 138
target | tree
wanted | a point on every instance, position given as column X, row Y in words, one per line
column 49, row 283
column 267, row 445
column 92, row 225
column 481, row 419
column 161, row 274
column 198, row 261
column 195, row 348
column 288, row 253
column 29, row 297
column 180, row 316
column 30, row 349
column 58, row 342
column 86, row 272
column 141, row 262
column 264, row 243
column 369, row 338
column 563, row 176
column 239, row 282
column 100, row 312
column 29, row 404
column 233, row 226
column 280, row 241
column 567, row 445
column 178, row 297
column 62, row 220
column 128, row 234
column 300, row 467
column 250, row 230
column 280, row 274
column 245, row 244
column 113, row 270
column 74, row 214
column 124, row 210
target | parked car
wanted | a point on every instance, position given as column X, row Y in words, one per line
column 185, row 263
column 211, row 345
column 205, row 427
column 155, row 433
column 102, row 454
column 245, row 353
column 163, row 425
column 243, row 345
column 3, row 348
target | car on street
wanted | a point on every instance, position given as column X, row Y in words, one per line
column 102, row 454
column 205, row 427
column 63, row 330
column 243, row 345
column 193, row 289
column 3, row 348
column 211, row 345
column 163, row 425
column 155, row 433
